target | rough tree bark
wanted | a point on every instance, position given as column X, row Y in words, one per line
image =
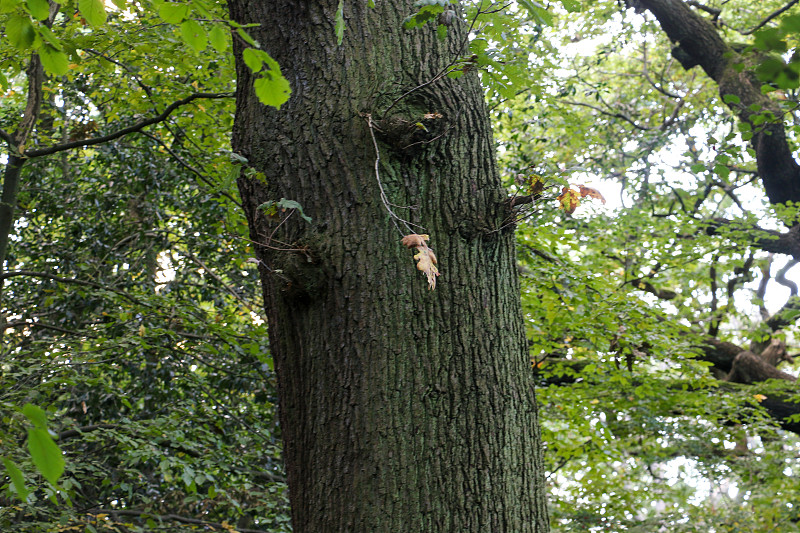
column 402, row 409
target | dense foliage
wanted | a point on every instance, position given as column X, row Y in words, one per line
column 131, row 314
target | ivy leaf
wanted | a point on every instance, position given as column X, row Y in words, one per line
column 194, row 35
column 292, row 204
column 93, row 11
column 339, row 23
column 17, row 479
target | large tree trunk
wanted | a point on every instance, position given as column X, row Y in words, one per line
column 402, row 409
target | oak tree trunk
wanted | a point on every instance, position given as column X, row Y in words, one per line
column 402, row 409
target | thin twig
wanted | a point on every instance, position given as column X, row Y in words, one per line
column 386, row 203
column 442, row 73
column 770, row 17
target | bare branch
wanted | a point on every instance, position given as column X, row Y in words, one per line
column 609, row 114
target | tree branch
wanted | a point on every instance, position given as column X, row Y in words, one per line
column 770, row 17
column 787, row 243
column 124, row 131
column 174, row 518
column 699, row 43
column 46, row 275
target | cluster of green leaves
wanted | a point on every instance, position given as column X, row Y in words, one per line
column 156, row 377
column 639, row 434
column 68, row 34
column 138, row 390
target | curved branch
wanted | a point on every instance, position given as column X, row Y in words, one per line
column 124, row 131
column 787, row 243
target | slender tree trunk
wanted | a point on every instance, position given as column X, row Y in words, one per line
column 402, row 409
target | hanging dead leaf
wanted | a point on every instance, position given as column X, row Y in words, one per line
column 426, row 259
column 414, row 239
column 568, row 200
column 591, row 193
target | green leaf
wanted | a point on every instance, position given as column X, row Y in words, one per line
column 722, row 171
column 20, row 32
column 247, row 38
column 54, row 61
column 7, row 6
column 699, row 167
column 540, row 14
column 173, row 13
column 94, row 11
column 50, row 37
column 39, row 9
column 46, row 455
column 119, row 3
column 218, row 37
column 731, row 99
column 291, row 204
column 194, row 35
column 791, row 24
column 573, row 6
column 272, row 90
column 339, row 29
column 17, row 479
column 253, row 59
column 35, row 415
column 370, row 3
